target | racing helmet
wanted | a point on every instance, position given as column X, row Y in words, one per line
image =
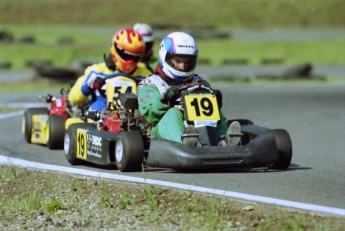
column 127, row 49
column 146, row 32
column 178, row 44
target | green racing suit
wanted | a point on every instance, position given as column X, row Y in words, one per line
column 167, row 122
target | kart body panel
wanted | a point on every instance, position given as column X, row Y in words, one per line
column 260, row 151
column 58, row 107
column 95, row 146
column 73, row 120
column 39, row 129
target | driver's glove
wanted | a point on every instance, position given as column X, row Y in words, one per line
column 98, row 83
column 219, row 97
column 171, row 95
column 95, row 81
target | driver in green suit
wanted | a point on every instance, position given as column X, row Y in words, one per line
column 178, row 54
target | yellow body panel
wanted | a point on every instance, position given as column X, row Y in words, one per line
column 73, row 120
column 39, row 129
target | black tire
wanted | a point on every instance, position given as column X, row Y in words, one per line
column 27, row 121
column 55, row 132
column 129, row 151
column 284, row 146
column 70, row 147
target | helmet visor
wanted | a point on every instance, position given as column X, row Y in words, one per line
column 126, row 55
column 184, row 63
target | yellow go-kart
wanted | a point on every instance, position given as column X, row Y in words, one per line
column 47, row 126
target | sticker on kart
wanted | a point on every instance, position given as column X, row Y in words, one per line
column 88, row 145
column 201, row 107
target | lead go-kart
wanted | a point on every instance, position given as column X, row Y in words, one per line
column 121, row 137
column 46, row 126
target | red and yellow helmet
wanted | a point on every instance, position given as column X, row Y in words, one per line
column 127, row 49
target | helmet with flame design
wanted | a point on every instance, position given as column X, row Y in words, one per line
column 127, row 49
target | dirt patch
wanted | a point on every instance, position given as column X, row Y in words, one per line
column 40, row 200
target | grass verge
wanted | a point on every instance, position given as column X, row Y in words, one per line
column 64, row 202
column 230, row 13
column 31, row 85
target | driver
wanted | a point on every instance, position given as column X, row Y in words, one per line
column 178, row 55
column 127, row 49
column 146, row 32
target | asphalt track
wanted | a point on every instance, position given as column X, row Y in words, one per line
column 313, row 114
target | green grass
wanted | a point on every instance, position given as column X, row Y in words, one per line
column 183, row 13
column 91, row 27
column 8, row 175
column 52, row 205
column 32, row 85
column 4, row 110
column 85, row 45
column 216, row 51
column 292, row 53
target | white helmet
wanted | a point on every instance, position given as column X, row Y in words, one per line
column 178, row 44
column 146, row 32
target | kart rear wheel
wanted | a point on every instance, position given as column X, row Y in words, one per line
column 27, row 121
column 129, row 151
column 55, row 132
column 284, row 146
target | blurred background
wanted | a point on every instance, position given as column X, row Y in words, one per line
column 238, row 39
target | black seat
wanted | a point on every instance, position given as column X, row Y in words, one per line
column 129, row 101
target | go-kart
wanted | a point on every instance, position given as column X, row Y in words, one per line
column 94, row 140
column 121, row 137
column 47, row 126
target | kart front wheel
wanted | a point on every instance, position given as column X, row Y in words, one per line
column 27, row 123
column 129, row 151
column 55, row 132
column 69, row 145
column 284, row 147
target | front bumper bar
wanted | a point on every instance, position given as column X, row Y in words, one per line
column 260, row 151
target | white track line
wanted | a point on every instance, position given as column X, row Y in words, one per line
column 11, row 114
column 25, row 105
column 268, row 200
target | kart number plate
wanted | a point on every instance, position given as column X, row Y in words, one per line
column 119, row 85
column 81, row 144
column 201, row 107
